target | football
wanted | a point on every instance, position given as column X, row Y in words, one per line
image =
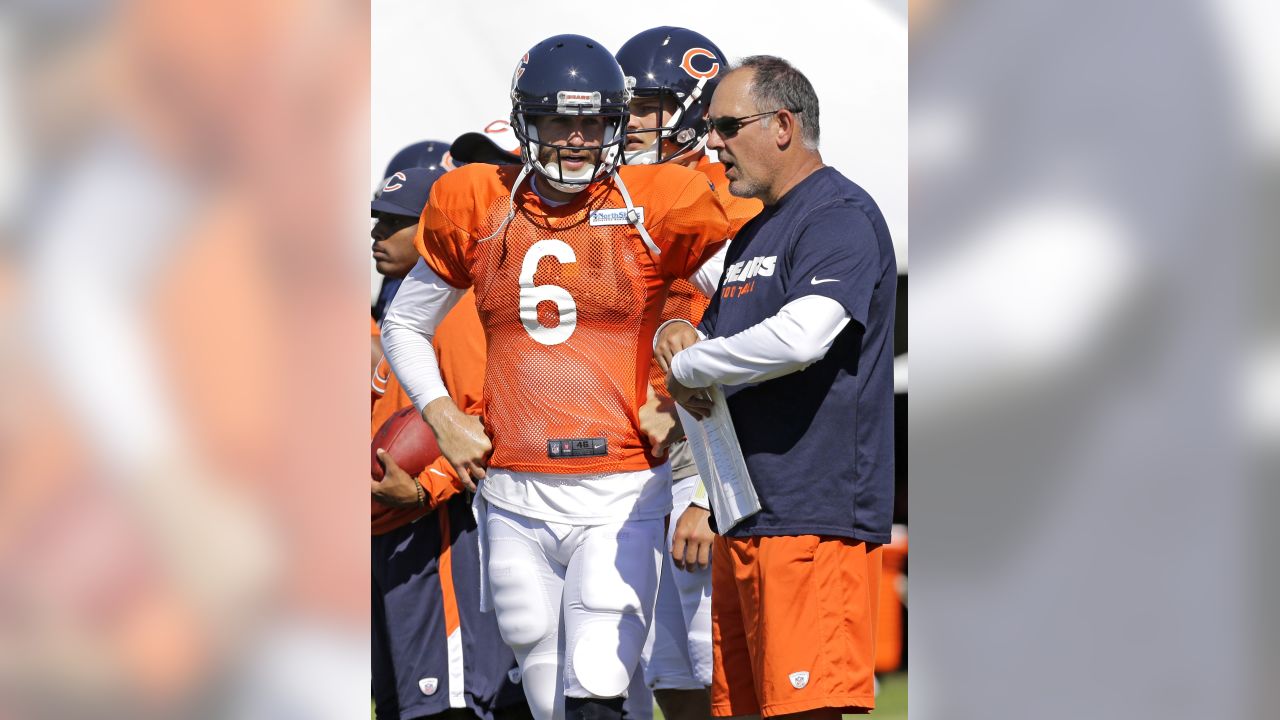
column 407, row 439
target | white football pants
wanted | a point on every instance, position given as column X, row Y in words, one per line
column 597, row 582
column 681, row 634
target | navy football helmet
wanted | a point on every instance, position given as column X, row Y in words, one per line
column 677, row 64
column 569, row 75
column 430, row 154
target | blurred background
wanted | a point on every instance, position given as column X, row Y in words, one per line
column 182, row 259
column 1093, row 442
column 1095, row 369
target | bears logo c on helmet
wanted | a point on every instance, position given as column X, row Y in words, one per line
column 686, row 64
column 681, row 68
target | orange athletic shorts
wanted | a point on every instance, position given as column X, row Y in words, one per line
column 793, row 624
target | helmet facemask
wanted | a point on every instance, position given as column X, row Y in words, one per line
column 608, row 153
column 676, row 137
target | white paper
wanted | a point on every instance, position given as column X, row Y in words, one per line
column 719, row 459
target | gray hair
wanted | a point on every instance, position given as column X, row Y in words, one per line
column 777, row 84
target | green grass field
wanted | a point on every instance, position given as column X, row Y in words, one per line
column 892, row 702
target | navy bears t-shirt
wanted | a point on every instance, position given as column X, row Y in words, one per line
column 818, row 443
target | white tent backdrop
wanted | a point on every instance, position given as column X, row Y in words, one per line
column 440, row 69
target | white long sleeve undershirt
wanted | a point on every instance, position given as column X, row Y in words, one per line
column 420, row 304
column 707, row 277
column 798, row 336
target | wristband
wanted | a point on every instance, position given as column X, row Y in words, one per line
column 663, row 326
column 700, row 498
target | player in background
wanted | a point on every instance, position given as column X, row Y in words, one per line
column 434, row 653
column 674, row 72
column 571, row 258
column 429, row 154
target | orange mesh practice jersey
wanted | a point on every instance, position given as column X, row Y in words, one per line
column 684, row 300
column 569, row 298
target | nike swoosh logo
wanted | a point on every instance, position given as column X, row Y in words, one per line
column 816, row 281
column 437, row 472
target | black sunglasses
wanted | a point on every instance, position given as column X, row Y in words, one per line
column 729, row 126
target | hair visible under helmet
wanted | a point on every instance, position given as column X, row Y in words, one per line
column 677, row 64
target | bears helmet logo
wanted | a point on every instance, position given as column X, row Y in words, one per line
column 686, row 63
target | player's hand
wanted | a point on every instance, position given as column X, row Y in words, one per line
column 695, row 400
column 674, row 338
column 659, row 423
column 397, row 487
column 461, row 439
column 691, row 543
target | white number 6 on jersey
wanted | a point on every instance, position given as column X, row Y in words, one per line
column 531, row 295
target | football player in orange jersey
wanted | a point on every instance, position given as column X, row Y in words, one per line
column 570, row 271
column 674, row 72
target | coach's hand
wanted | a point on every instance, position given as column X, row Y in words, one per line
column 691, row 543
column 695, row 400
column 461, row 439
column 674, row 338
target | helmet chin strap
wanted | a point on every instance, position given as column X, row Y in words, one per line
column 643, row 157
column 553, row 172
column 562, row 187
column 634, row 218
column 651, row 155
column 554, row 168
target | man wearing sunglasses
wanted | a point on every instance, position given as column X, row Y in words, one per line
column 674, row 72
column 800, row 336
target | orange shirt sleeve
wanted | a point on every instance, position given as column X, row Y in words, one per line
column 440, row 241
column 739, row 210
column 377, row 382
column 693, row 228
column 460, row 349
column 390, row 400
column 439, row 483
